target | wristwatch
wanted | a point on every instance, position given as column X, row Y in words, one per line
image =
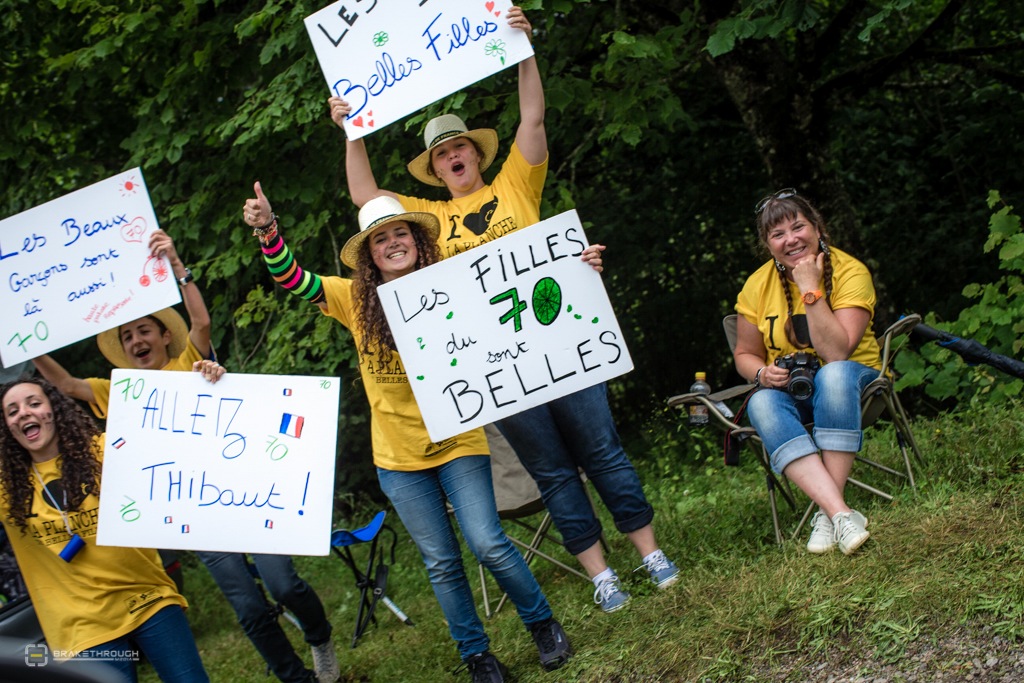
column 811, row 296
column 186, row 278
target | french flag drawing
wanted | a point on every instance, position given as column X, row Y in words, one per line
column 292, row 424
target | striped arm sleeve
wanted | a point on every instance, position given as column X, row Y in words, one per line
column 287, row 272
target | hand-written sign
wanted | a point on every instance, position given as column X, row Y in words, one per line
column 79, row 265
column 389, row 59
column 243, row 465
column 506, row 326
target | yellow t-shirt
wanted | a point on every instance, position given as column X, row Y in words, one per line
column 400, row 439
column 101, row 387
column 509, row 203
column 763, row 303
column 104, row 592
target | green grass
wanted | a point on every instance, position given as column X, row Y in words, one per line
column 949, row 555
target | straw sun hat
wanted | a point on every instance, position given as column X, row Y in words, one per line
column 378, row 212
column 109, row 341
column 444, row 127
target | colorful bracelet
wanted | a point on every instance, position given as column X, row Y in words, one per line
column 263, row 231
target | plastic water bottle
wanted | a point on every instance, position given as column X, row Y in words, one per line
column 699, row 411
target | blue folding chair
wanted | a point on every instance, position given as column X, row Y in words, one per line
column 373, row 582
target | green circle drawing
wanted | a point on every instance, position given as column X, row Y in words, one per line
column 547, row 300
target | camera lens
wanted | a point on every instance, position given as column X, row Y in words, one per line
column 801, row 385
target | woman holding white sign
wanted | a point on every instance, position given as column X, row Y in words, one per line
column 416, row 474
column 93, row 602
column 553, row 441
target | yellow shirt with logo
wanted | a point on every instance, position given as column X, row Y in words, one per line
column 101, row 387
column 763, row 303
column 400, row 439
column 104, row 592
column 510, row 202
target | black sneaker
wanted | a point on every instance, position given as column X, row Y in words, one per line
column 552, row 644
column 485, row 668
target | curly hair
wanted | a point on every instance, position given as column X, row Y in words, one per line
column 777, row 209
column 369, row 313
column 79, row 468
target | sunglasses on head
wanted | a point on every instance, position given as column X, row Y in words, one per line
column 785, row 193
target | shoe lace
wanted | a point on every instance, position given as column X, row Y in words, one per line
column 822, row 524
column 843, row 526
column 605, row 589
column 544, row 637
column 656, row 564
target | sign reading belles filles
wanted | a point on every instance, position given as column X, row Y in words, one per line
column 504, row 327
column 78, row 265
column 243, row 465
column 391, row 59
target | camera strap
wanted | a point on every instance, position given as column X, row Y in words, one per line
column 733, row 441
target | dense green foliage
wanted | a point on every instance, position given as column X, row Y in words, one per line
column 995, row 320
column 666, row 122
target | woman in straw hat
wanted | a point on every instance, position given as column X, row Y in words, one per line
column 416, row 474
column 553, row 441
column 162, row 341
column 93, row 602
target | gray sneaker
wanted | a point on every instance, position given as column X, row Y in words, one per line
column 552, row 644
column 823, row 535
column 609, row 594
column 325, row 663
column 850, row 530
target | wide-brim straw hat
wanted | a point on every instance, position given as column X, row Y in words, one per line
column 378, row 212
column 110, row 345
column 445, row 127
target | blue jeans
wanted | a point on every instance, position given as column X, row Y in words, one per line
column 259, row 619
column 834, row 408
column 554, row 441
column 419, row 499
column 167, row 642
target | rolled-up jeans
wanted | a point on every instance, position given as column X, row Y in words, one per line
column 557, row 439
column 834, row 408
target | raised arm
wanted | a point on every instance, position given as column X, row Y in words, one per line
column 276, row 254
column 161, row 244
column 531, row 138
column 55, row 373
column 362, row 185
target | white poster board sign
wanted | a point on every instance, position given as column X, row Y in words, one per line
column 78, row 265
column 391, row 59
column 243, row 465
column 503, row 327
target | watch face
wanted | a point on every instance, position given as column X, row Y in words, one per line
column 811, row 297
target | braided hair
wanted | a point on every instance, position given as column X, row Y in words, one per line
column 784, row 206
column 79, row 468
column 369, row 312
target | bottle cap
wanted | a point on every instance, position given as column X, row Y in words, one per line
column 700, row 375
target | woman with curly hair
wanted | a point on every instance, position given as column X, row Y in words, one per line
column 416, row 474
column 93, row 602
column 814, row 299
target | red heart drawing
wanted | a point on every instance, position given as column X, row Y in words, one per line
column 497, row 14
column 489, row 6
column 358, row 121
column 369, row 113
column 371, row 124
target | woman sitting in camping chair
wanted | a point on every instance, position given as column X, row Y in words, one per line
column 804, row 337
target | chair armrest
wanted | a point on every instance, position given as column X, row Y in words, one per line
column 712, row 401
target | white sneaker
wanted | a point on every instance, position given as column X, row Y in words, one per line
column 823, row 535
column 325, row 663
column 850, row 530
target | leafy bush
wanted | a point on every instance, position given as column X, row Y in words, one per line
column 996, row 320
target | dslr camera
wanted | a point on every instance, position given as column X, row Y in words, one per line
column 802, row 367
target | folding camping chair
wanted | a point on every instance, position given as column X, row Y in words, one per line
column 518, row 499
column 877, row 400
column 372, row 583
